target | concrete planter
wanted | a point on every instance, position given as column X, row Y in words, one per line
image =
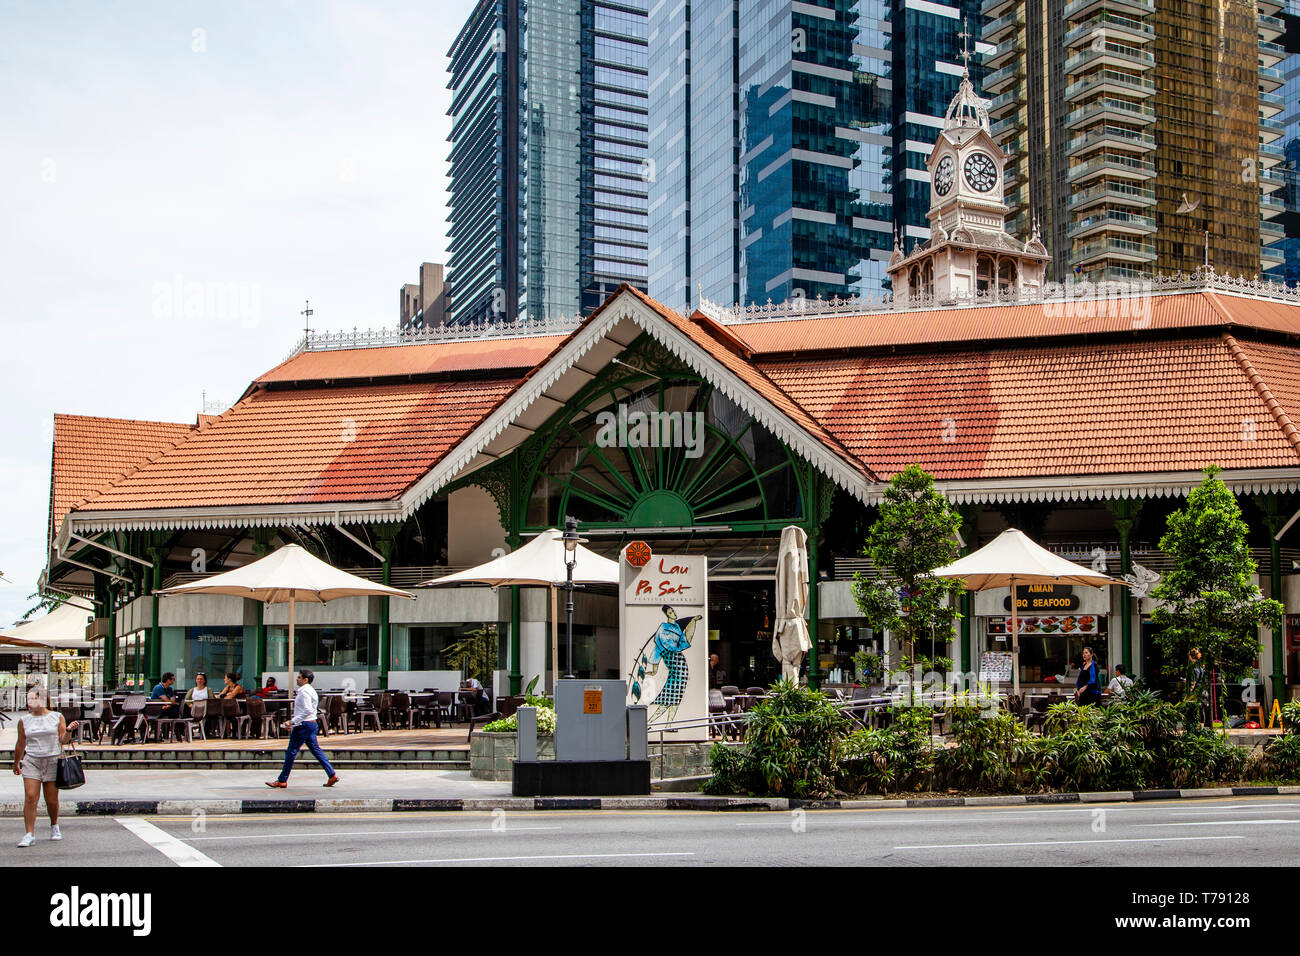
column 491, row 757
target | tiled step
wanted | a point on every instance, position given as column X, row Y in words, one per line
column 151, row 759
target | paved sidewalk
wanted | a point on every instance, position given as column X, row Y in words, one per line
column 239, row 785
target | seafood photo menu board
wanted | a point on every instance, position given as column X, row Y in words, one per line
column 1068, row 624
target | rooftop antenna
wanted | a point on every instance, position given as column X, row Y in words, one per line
column 306, row 313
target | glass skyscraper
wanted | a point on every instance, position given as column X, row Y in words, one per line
column 1288, row 172
column 789, row 138
column 1144, row 133
column 548, row 162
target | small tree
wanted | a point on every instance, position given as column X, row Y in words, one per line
column 475, row 654
column 1208, row 602
column 915, row 532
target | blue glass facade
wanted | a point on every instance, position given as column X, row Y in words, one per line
column 615, row 172
column 770, row 140
column 481, row 278
column 1289, row 270
column 548, row 166
column 927, row 67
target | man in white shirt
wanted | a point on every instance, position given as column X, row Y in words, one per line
column 1120, row 684
column 303, row 732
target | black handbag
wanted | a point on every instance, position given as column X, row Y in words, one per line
column 69, row 774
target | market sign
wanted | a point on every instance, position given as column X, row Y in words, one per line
column 663, row 636
column 1040, row 598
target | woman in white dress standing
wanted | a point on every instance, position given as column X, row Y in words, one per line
column 41, row 736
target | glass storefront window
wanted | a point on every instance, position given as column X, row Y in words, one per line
column 421, row 647
column 215, row 651
column 1052, row 658
column 342, row 647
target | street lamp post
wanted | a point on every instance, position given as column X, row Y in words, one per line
column 571, row 540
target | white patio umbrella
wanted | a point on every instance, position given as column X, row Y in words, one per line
column 63, row 628
column 1012, row 559
column 539, row 563
column 790, row 635
column 290, row 574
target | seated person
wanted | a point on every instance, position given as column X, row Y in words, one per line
column 270, row 690
column 1121, row 683
column 166, row 690
column 480, row 698
column 232, row 690
column 200, row 689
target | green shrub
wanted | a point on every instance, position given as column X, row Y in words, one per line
column 510, row 725
column 894, row 759
column 792, row 747
column 987, row 751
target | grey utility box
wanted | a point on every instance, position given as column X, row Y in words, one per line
column 590, row 720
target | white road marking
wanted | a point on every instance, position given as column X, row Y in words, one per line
column 179, row 852
column 962, row 846
column 502, row 859
column 299, row 834
column 1221, row 823
column 1250, row 808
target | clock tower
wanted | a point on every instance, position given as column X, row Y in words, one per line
column 969, row 254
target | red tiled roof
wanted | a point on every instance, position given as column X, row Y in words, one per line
column 718, row 342
column 1002, row 322
column 523, row 352
column 1095, row 409
column 91, row 452
column 967, row 411
column 297, row 446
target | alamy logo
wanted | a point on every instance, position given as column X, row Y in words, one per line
column 651, row 430
column 77, row 909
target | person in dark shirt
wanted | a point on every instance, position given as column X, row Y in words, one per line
column 1087, row 686
column 166, row 690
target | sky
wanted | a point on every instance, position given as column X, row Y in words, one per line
column 176, row 178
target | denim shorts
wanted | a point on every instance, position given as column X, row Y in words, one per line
column 39, row 768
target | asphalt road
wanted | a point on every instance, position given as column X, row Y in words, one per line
column 1261, row 831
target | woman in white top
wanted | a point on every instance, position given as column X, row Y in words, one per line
column 41, row 735
column 200, row 689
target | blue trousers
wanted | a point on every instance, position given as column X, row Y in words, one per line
column 304, row 733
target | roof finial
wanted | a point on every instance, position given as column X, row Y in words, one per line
column 964, row 36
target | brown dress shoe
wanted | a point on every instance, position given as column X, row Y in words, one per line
column 276, row 784
column 332, row 780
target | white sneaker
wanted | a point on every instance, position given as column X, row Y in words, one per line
column 27, row 840
column 55, row 832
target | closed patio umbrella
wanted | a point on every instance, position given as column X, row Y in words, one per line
column 539, row 563
column 1012, row 559
column 790, row 640
column 290, row 574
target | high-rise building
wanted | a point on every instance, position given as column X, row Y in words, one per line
column 1143, row 132
column 1288, row 171
column 424, row 304
column 788, row 139
column 547, row 212
column 927, row 64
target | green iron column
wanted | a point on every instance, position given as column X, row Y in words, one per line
column 154, row 654
column 1275, row 519
column 110, row 639
column 261, row 548
column 818, row 507
column 969, row 517
column 385, row 641
column 814, row 613
column 514, row 539
column 1125, row 512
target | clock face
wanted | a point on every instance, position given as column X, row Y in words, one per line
column 943, row 175
column 981, row 172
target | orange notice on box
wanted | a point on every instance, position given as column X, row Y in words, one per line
column 591, row 700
